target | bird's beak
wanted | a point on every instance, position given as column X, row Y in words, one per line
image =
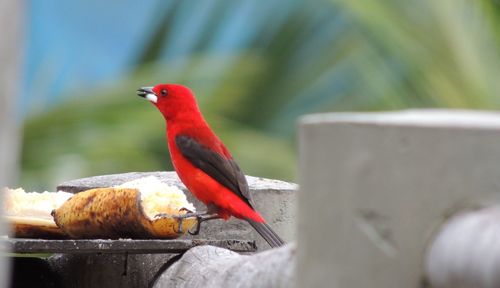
column 147, row 92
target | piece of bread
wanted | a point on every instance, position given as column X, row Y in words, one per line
column 29, row 213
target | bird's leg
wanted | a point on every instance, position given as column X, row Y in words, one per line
column 200, row 217
column 210, row 214
column 179, row 218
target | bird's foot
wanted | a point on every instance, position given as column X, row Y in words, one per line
column 181, row 217
column 202, row 218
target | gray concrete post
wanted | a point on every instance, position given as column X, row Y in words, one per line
column 375, row 186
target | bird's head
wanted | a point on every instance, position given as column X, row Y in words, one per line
column 171, row 99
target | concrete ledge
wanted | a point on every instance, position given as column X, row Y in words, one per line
column 276, row 200
column 118, row 246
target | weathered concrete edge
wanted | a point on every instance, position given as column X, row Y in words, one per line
column 121, row 246
column 169, row 177
column 428, row 118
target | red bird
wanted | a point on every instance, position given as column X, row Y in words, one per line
column 202, row 161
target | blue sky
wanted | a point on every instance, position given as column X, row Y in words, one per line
column 75, row 45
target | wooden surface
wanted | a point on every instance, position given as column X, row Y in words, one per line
column 131, row 246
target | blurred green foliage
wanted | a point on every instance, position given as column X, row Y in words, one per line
column 325, row 56
column 113, row 130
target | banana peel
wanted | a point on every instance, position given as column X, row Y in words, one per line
column 117, row 213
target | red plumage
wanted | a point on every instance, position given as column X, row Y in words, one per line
column 202, row 161
column 204, row 187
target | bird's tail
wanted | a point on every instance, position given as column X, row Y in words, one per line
column 267, row 233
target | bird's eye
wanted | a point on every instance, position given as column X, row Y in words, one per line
column 163, row 92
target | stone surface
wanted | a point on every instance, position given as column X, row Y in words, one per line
column 374, row 186
column 276, row 200
column 213, row 267
column 130, row 246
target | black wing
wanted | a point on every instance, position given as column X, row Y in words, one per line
column 225, row 171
